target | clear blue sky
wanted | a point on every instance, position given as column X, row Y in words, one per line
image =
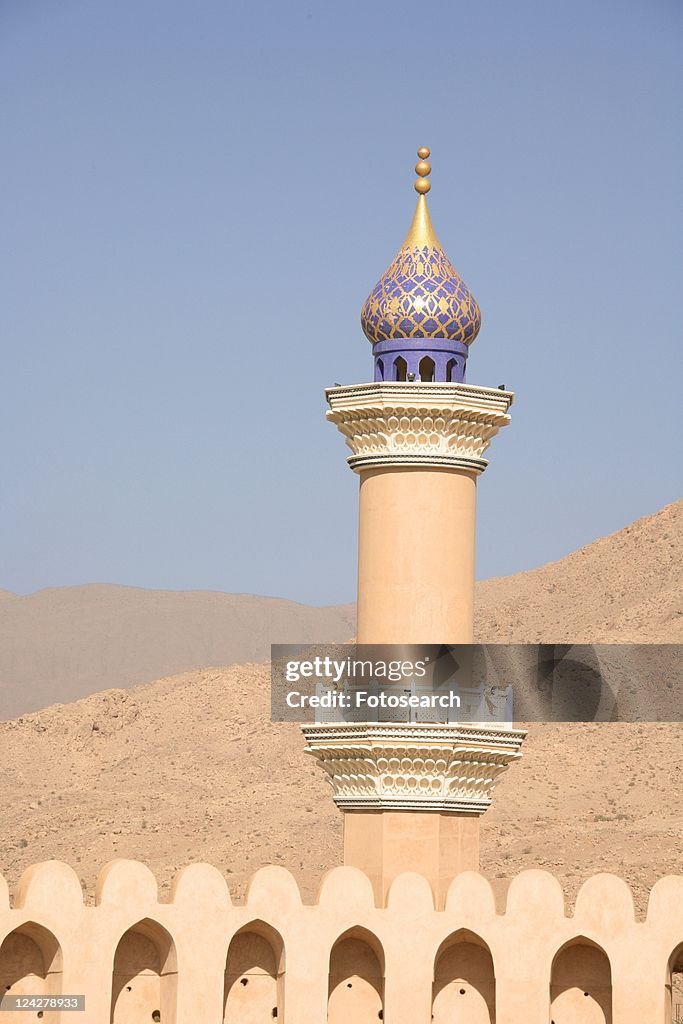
column 197, row 197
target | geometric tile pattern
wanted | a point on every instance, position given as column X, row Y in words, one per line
column 421, row 295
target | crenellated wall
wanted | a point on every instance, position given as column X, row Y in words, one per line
column 199, row 959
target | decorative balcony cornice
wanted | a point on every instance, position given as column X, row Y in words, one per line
column 413, row 767
column 418, row 424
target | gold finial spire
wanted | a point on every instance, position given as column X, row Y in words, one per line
column 421, row 294
column 423, row 168
column 421, row 232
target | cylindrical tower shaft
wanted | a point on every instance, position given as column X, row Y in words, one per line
column 416, row 555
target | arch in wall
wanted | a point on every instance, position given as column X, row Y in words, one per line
column 30, row 964
column 427, row 369
column 380, row 370
column 400, row 368
column 674, row 986
column 356, row 979
column 254, row 976
column 464, row 987
column 581, row 984
column 144, row 976
column 450, row 370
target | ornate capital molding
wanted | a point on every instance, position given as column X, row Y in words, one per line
column 413, row 767
column 416, row 424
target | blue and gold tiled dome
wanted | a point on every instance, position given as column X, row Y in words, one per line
column 421, row 301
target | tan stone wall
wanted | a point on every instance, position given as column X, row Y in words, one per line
column 384, row 845
column 199, row 958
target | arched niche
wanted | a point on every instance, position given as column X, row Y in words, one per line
column 254, row 976
column 379, row 369
column 464, row 987
column 674, row 986
column 400, row 368
column 356, row 979
column 427, row 369
column 144, row 976
column 30, row 964
column 581, row 984
column 451, row 367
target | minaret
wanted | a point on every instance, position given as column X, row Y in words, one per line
column 412, row 793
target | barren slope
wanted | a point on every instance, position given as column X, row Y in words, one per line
column 61, row 644
column 190, row 768
column 624, row 588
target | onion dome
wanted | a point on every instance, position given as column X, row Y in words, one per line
column 421, row 295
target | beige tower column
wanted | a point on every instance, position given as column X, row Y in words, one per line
column 418, row 449
column 416, row 555
column 412, row 794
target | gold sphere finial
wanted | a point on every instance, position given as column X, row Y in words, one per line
column 397, row 312
column 423, row 168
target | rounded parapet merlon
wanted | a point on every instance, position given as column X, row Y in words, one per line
column 470, row 897
column 346, row 886
column 273, row 885
column 201, row 886
column 49, row 884
column 418, row 424
column 535, row 894
column 411, row 889
column 605, row 902
column 124, row 882
column 666, row 900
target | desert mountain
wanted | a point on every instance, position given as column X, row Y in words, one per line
column 624, row 588
column 61, row 644
column 191, row 768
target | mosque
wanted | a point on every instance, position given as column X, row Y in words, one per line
column 407, row 930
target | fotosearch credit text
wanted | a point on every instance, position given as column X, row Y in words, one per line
column 476, row 683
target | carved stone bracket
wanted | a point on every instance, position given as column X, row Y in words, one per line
column 416, row 424
column 413, row 767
